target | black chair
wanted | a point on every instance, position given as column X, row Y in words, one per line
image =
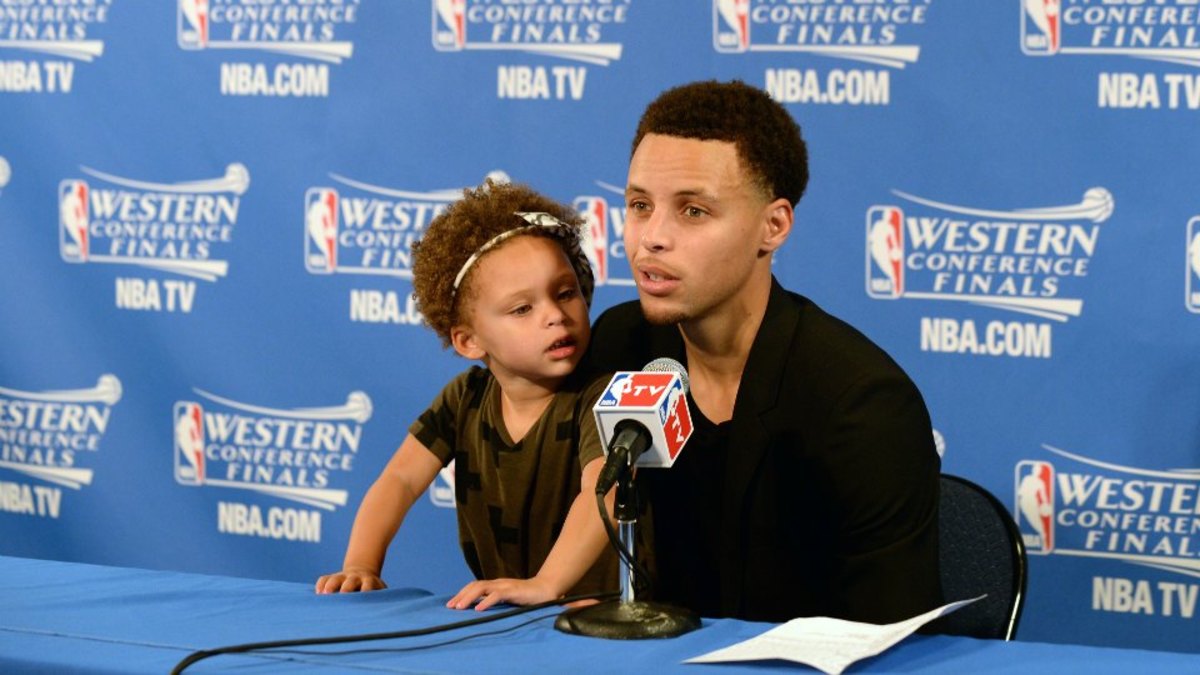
column 981, row 552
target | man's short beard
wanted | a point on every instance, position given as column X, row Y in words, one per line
column 665, row 317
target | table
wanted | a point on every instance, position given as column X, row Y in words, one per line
column 77, row 618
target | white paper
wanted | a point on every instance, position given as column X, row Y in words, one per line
column 829, row 645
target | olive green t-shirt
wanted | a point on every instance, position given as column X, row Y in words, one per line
column 513, row 498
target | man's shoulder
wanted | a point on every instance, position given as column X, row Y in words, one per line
column 622, row 339
column 832, row 369
column 834, row 347
column 621, row 315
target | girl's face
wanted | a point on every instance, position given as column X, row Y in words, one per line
column 527, row 318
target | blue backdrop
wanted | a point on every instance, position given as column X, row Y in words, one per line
column 208, row 347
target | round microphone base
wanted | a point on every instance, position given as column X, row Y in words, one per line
column 635, row 620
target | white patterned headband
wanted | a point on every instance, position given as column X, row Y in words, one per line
column 551, row 225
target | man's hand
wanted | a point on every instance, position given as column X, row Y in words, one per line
column 350, row 580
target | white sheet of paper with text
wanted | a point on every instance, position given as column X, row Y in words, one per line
column 829, row 645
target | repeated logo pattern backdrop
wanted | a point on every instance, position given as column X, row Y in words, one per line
column 209, row 346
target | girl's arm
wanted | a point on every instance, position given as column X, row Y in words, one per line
column 407, row 475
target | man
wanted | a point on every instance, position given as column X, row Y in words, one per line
column 810, row 486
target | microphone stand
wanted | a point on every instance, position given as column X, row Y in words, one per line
column 627, row 618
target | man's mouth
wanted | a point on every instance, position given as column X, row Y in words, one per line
column 653, row 272
column 655, row 280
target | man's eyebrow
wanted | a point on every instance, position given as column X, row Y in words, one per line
column 690, row 192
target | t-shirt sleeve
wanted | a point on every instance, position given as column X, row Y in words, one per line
column 435, row 428
column 589, row 436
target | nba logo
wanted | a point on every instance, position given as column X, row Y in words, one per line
column 885, row 252
column 192, row 24
column 621, row 384
column 73, row 220
column 321, row 230
column 731, row 25
column 449, row 25
column 189, row 443
column 1035, row 505
column 1193, row 265
column 1041, row 28
column 595, row 236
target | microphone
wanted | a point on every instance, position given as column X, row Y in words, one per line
column 643, row 419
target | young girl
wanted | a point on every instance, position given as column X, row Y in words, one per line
column 501, row 278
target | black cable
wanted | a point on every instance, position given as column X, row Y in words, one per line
column 413, row 648
column 638, row 570
column 415, row 632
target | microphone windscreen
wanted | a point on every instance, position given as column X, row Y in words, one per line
column 669, row 365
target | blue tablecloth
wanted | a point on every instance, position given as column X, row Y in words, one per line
column 74, row 618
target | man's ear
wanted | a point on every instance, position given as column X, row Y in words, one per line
column 464, row 342
column 777, row 224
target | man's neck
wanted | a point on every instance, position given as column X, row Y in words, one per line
column 717, row 348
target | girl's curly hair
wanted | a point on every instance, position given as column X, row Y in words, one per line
column 465, row 226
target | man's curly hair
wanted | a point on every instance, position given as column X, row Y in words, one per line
column 459, row 231
column 768, row 140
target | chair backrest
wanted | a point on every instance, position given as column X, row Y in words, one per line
column 981, row 552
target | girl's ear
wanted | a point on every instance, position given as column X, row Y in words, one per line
column 464, row 342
